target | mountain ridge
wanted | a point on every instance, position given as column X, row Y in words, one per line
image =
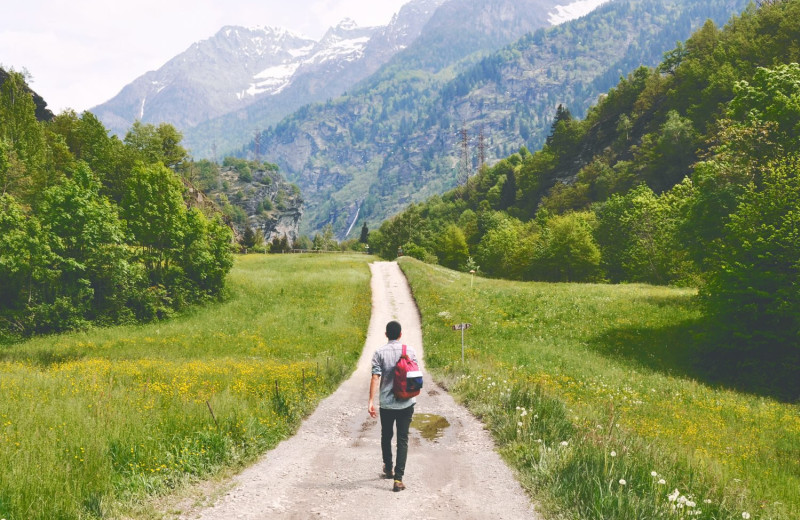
column 238, row 67
column 397, row 140
column 312, row 84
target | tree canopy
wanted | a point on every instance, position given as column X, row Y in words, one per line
column 93, row 229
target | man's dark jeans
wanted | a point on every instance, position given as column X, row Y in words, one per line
column 403, row 419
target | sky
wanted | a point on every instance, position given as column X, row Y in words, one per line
column 80, row 53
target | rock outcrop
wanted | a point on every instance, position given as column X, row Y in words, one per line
column 261, row 199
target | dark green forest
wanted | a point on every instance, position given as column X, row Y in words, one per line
column 97, row 229
column 685, row 174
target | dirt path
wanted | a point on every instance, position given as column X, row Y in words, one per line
column 331, row 467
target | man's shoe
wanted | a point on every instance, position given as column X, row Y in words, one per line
column 387, row 471
column 398, row 485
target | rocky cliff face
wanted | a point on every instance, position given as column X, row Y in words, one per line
column 262, row 200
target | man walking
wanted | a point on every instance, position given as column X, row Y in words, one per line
column 392, row 409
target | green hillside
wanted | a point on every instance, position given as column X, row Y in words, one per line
column 684, row 174
column 397, row 138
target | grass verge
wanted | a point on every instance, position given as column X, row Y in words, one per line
column 596, row 428
column 94, row 424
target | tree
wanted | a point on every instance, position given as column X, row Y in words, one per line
column 452, row 249
column 260, row 240
column 154, row 210
column 249, row 238
column 364, row 234
column 88, row 240
column 505, row 249
column 157, row 144
column 327, row 241
column 771, row 95
column 666, row 157
column 13, row 174
column 752, row 293
column 762, row 119
column 508, row 193
column 87, row 232
column 207, row 256
column 280, row 245
column 637, row 235
column 275, row 245
column 87, row 140
column 565, row 134
column 24, row 136
column 25, row 266
column 563, row 117
column 303, row 242
column 565, row 250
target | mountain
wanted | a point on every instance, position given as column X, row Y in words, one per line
column 243, row 79
column 399, row 137
column 425, row 35
column 459, row 28
column 345, row 55
column 210, row 78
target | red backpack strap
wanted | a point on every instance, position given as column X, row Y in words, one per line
column 404, row 352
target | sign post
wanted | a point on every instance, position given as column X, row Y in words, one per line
column 462, row 327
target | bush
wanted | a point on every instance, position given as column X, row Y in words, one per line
column 752, row 294
column 565, row 250
column 414, row 251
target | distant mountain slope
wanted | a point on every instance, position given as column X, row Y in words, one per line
column 459, row 28
column 425, row 35
column 342, row 58
column 397, row 139
column 210, row 78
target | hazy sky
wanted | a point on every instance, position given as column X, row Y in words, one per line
column 81, row 53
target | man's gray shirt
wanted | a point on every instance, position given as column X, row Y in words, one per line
column 383, row 362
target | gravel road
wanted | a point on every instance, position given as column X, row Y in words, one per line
column 332, row 467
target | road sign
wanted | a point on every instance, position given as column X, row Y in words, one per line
column 462, row 327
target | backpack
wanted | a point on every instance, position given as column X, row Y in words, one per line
column 407, row 377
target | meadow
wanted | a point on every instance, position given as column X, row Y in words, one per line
column 597, row 398
column 96, row 424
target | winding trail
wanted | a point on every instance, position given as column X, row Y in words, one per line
column 332, row 467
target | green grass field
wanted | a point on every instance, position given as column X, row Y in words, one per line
column 97, row 424
column 591, row 392
column 593, row 395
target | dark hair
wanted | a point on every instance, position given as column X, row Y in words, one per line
column 393, row 330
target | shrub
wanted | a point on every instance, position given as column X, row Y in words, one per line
column 752, row 293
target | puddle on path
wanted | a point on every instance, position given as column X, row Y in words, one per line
column 429, row 425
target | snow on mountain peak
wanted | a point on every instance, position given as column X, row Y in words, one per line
column 278, row 32
column 348, row 24
column 571, row 11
